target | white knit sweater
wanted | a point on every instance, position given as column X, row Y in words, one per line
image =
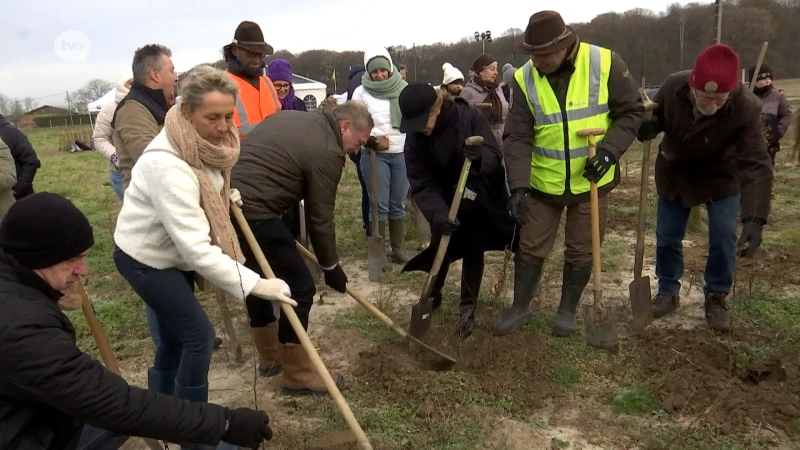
column 162, row 224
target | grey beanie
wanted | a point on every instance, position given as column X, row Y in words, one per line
column 508, row 73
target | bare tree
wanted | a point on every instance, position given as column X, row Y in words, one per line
column 93, row 90
column 17, row 109
column 5, row 105
column 29, row 103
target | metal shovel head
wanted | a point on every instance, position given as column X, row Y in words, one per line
column 641, row 303
column 377, row 257
column 420, row 319
column 601, row 327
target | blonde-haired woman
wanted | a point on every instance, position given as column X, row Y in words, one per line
column 175, row 225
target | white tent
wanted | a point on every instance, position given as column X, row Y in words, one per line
column 98, row 104
column 311, row 92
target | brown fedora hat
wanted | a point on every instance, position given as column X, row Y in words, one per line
column 546, row 33
column 248, row 36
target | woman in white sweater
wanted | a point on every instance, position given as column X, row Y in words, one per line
column 380, row 88
column 101, row 136
column 175, row 226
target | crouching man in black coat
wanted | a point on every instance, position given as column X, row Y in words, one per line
column 437, row 126
column 52, row 395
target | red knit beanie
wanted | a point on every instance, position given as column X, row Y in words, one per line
column 716, row 70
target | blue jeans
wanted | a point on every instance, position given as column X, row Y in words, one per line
column 392, row 184
column 182, row 334
column 116, row 183
column 672, row 219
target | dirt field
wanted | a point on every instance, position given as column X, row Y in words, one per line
column 678, row 386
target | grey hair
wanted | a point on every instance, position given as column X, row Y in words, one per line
column 146, row 59
column 202, row 80
column 357, row 113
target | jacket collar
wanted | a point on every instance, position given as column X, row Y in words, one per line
column 157, row 95
column 29, row 278
column 335, row 127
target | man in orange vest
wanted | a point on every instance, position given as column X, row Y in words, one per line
column 257, row 95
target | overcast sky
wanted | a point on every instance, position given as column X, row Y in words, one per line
column 195, row 30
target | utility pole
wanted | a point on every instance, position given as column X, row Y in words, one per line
column 718, row 17
column 414, row 45
column 484, row 37
column 69, row 107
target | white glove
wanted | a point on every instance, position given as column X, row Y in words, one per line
column 236, row 197
column 273, row 289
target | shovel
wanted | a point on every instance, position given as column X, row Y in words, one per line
column 639, row 288
column 377, row 253
column 421, row 312
column 601, row 325
column 447, row 360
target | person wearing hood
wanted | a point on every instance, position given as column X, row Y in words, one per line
column 437, row 124
column 25, row 160
column 484, row 89
column 380, row 89
column 280, row 72
column 452, row 80
column 353, row 82
column 103, row 133
column 508, row 80
column 257, row 98
column 776, row 112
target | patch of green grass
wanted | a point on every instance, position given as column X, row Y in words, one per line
column 566, row 376
column 558, row 443
column 124, row 322
column 746, row 357
column 638, row 398
column 364, row 322
column 768, row 308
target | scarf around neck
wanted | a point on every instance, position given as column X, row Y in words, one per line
column 289, row 103
column 198, row 152
column 495, row 113
column 388, row 89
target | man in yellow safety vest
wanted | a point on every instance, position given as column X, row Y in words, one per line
column 566, row 86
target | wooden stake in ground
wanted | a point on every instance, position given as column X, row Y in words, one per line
column 102, row 345
column 305, row 341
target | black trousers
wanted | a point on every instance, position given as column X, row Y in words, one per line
column 277, row 243
column 364, row 194
column 471, row 239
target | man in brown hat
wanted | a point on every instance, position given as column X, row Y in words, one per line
column 567, row 86
column 257, row 95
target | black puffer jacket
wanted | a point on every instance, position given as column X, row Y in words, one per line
column 49, row 389
column 24, row 157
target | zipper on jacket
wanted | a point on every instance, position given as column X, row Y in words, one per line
column 567, row 190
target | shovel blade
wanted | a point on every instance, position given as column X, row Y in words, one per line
column 641, row 303
column 420, row 319
column 601, row 327
column 377, row 258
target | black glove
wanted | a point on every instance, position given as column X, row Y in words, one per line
column 598, row 166
column 751, row 237
column 444, row 226
column 516, row 205
column 247, row 428
column 648, row 130
column 372, row 143
column 473, row 152
column 336, row 279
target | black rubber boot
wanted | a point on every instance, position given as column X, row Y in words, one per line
column 438, row 284
column 471, row 277
column 526, row 279
column 574, row 282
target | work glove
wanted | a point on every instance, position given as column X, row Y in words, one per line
column 516, row 204
column 247, row 428
column 236, row 197
column 444, row 226
column 473, row 152
column 372, row 143
column 750, row 240
column 336, row 279
column 598, row 166
column 648, row 130
column 273, row 289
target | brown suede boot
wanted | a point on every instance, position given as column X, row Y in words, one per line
column 717, row 315
column 266, row 341
column 665, row 304
column 299, row 375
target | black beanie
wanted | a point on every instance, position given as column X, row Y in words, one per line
column 43, row 230
column 763, row 72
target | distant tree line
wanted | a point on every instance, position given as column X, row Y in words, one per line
column 652, row 44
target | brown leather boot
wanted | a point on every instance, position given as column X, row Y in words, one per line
column 665, row 304
column 299, row 375
column 717, row 315
column 266, row 341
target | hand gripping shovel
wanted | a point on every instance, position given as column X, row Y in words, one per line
column 447, row 360
column 305, row 341
column 601, row 325
column 377, row 252
column 639, row 288
column 421, row 312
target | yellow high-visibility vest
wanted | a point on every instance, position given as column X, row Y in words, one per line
column 555, row 138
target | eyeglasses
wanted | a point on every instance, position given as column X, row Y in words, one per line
column 282, row 86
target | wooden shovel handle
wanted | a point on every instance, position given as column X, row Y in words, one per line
column 338, row 398
column 595, row 216
column 373, row 194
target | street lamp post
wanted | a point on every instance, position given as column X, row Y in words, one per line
column 484, row 38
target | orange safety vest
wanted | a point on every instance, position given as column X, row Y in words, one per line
column 253, row 106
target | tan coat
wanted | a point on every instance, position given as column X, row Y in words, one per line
column 8, row 178
column 135, row 128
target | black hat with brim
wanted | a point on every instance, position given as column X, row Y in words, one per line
column 416, row 102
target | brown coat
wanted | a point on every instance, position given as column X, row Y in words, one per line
column 626, row 110
column 705, row 159
column 134, row 128
column 8, row 178
column 288, row 157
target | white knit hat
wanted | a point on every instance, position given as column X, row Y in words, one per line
column 451, row 74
